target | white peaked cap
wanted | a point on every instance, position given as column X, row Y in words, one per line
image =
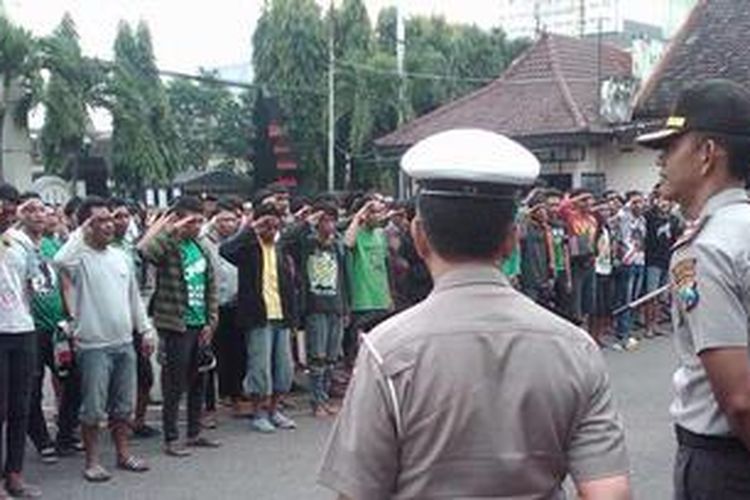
column 472, row 156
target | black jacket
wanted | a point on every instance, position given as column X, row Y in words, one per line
column 243, row 251
column 300, row 241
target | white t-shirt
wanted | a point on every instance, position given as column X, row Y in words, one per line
column 15, row 274
column 106, row 299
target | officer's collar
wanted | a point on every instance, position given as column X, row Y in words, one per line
column 470, row 274
column 722, row 199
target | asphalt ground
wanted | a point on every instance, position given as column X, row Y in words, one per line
column 283, row 466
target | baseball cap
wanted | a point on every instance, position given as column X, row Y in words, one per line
column 715, row 106
column 470, row 163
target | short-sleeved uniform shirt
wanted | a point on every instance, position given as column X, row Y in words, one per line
column 710, row 279
column 476, row 392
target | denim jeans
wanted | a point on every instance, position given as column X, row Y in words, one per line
column 324, row 333
column 629, row 285
column 108, row 383
column 18, row 360
column 269, row 360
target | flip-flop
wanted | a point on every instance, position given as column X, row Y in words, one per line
column 203, row 442
column 96, row 474
column 133, row 464
column 176, row 451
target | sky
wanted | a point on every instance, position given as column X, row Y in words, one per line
column 188, row 34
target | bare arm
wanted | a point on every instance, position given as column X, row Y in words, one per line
column 608, row 488
column 729, row 374
column 350, row 236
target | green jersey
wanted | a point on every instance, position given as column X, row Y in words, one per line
column 194, row 265
column 368, row 259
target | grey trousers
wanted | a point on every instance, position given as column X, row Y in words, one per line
column 179, row 374
column 711, row 474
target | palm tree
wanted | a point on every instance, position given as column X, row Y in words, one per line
column 20, row 81
column 74, row 85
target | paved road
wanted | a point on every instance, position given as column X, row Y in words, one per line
column 282, row 466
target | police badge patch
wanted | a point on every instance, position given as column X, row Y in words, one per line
column 684, row 284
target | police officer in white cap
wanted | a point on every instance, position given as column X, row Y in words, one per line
column 476, row 392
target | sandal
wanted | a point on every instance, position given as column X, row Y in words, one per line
column 22, row 490
column 203, row 442
column 175, row 450
column 96, row 474
column 133, row 464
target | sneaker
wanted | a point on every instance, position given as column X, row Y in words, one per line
column 49, row 455
column 649, row 334
column 632, row 344
column 262, row 424
column 617, row 346
column 281, row 421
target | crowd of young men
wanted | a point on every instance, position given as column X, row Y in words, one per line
column 233, row 298
column 236, row 297
column 587, row 258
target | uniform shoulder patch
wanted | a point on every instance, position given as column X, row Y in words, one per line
column 684, row 284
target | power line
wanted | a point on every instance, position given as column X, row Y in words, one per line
column 413, row 75
column 228, row 83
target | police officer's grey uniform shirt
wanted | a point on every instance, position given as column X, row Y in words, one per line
column 477, row 392
column 710, row 278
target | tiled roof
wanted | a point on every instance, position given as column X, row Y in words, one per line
column 552, row 88
column 713, row 43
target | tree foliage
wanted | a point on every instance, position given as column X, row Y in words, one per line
column 74, row 86
column 213, row 124
column 443, row 61
column 20, row 81
column 290, row 61
column 144, row 136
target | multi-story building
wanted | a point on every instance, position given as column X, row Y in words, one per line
column 526, row 18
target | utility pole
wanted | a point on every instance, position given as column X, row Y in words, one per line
column 331, row 104
column 400, row 58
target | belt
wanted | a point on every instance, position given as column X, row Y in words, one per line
column 706, row 442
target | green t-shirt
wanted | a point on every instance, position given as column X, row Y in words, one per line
column 558, row 247
column 46, row 303
column 195, row 266
column 370, row 287
column 49, row 246
column 512, row 265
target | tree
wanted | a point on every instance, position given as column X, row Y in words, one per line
column 74, row 85
column 20, row 81
column 212, row 122
column 144, row 139
column 443, row 62
column 290, row 62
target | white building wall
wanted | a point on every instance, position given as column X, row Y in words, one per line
column 16, row 147
column 628, row 168
column 624, row 168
